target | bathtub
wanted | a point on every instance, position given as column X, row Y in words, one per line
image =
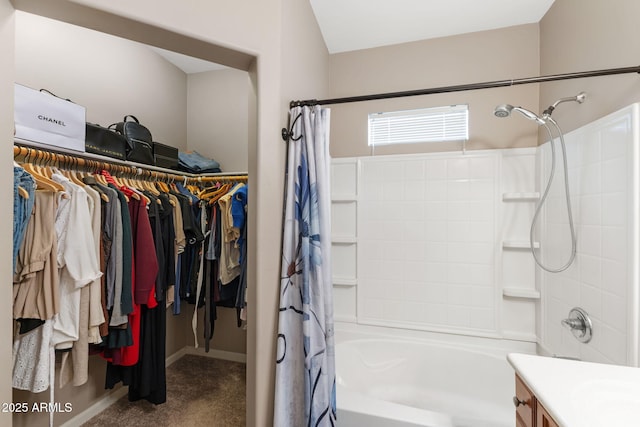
column 387, row 381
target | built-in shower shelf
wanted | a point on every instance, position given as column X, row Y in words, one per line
column 343, row 240
column 343, row 198
column 520, row 293
column 519, row 244
column 520, row 197
column 344, row 282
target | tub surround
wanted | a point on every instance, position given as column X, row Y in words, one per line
column 582, row 394
column 394, row 378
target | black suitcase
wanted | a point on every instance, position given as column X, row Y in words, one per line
column 165, row 156
column 106, row 142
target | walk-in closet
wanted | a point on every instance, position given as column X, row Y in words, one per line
column 187, row 103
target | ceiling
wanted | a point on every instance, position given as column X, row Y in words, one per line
column 348, row 25
column 188, row 64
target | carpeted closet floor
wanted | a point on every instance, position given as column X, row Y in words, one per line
column 201, row 391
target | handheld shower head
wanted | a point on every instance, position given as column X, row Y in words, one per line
column 579, row 98
column 504, row 110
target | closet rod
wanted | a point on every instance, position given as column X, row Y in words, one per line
column 464, row 87
column 64, row 158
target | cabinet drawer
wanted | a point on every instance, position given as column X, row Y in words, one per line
column 543, row 417
column 525, row 412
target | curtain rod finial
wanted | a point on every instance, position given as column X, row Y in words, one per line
column 286, row 135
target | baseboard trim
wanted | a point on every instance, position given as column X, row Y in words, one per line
column 216, row 354
column 112, row 397
column 175, row 356
column 96, row 408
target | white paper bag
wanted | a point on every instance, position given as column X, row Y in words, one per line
column 44, row 118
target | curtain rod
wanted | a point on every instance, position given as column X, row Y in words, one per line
column 39, row 154
column 464, row 87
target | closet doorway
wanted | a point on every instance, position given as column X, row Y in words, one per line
column 188, row 103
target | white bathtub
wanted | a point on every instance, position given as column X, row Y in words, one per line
column 384, row 381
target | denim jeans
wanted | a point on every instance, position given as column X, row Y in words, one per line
column 196, row 163
column 21, row 207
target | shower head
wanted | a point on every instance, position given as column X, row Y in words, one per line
column 504, row 110
column 579, row 98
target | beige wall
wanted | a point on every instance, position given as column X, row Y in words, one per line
column 110, row 76
column 469, row 58
column 227, row 335
column 217, row 117
column 218, row 127
column 7, row 30
column 585, row 35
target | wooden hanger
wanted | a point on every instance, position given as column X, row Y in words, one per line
column 92, row 181
column 101, row 179
column 43, row 182
column 23, row 193
column 217, row 194
column 151, row 187
column 72, row 172
column 163, row 186
column 21, row 190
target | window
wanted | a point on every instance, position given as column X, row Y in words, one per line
column 439, row 124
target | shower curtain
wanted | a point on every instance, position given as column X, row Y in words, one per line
column 305, row 367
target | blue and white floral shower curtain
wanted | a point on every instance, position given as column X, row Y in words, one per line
column 305, row 392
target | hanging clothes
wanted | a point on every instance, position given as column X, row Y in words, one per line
column 148, row 376
column 74, row 366
column 36, row 296
column 78, row 263
column 223, row 274
column 23, row 197
column 36, row 293
column 122, row 361
column 119, row 334
column 78, row 266
column 99, row 261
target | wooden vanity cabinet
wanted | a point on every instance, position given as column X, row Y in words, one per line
column 525, row 405
column 529, row 412
column 543, row 419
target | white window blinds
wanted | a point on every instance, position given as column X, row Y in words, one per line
column 439, row 124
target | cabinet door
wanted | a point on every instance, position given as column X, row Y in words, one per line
column 543, row 419
column 525, row 405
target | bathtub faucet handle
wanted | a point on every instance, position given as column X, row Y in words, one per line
column 579, row 324
column 573, row 324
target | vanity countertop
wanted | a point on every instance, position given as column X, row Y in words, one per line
column 582, row 394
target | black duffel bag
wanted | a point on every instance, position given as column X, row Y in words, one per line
column 139, row 140
column 106, row 142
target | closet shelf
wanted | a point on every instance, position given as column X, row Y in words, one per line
column 519, row 244
column 49, row 148
column 520, row 197
column 513, row 292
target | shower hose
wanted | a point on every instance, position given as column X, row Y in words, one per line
column 548, row 119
